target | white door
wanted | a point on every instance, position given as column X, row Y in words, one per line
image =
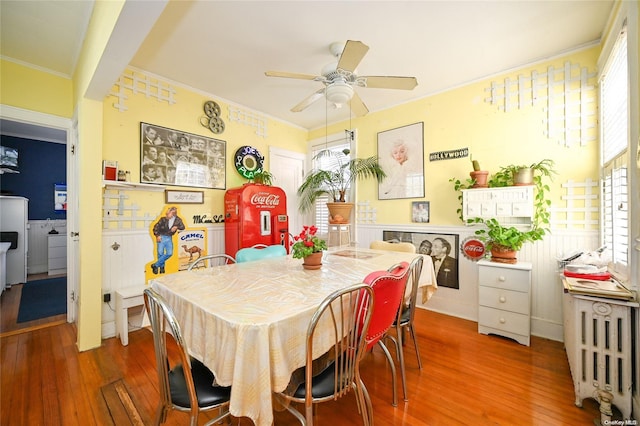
column 287, row 168
column 73, row 256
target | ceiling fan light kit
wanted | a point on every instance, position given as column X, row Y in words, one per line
column 340, row 78
column 339, row 92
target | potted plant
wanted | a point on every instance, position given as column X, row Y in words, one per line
column 335, row 182
column 522, row 174
column 479, row 176
column 309, row 247
column 505, row 241
column 264, row 177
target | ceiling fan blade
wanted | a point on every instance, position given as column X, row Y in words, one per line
column 389, row 82
column 357, row 106
column 352, row 54
column 308, row 100
column 285, row 74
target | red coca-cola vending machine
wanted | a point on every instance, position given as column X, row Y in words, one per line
column 255, row 214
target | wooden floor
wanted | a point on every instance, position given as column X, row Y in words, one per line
column 467, row 379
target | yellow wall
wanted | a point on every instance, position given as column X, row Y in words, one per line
column 122, row 142
column 460, row 118
column 27, row 88
column 90, row 124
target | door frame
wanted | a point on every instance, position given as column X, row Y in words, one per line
column 56, row 122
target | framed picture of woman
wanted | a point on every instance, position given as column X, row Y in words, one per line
column 401, row 154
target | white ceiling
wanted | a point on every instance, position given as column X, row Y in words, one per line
column 223, row 48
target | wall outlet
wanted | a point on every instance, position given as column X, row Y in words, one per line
column 106, row 298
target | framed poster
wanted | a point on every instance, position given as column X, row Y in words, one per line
column 443, row 249
column 401, row 154
column 172, row 157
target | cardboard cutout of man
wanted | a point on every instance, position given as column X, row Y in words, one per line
column 163, row 231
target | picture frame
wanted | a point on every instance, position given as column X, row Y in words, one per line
column 420, row 211
column 183, row 197
column 401, row 154
column 443, row 249
column 177, row 158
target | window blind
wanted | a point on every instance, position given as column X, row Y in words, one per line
column 614, row 94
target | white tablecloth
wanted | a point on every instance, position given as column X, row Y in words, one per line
column 247, row 322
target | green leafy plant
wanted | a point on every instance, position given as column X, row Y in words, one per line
column 264, row 177
column 335, row 181
column 307, row 243
column 510, row 237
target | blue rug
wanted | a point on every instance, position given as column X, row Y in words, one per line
column 43, row 298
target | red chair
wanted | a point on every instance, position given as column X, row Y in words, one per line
column 388, row 288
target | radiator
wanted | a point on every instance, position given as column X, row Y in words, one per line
column 38, row 234
column 599, row 348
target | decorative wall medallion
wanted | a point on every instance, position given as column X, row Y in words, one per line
column 212, row 120
column 473, row 249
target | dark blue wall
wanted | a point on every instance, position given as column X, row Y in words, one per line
column 41, row 165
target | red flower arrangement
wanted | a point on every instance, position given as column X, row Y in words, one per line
column 307, row 242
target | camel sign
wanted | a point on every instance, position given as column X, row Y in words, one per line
column 175, row 246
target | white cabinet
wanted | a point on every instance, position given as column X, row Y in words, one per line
column 504, row 297
column 512, row 202
column 57, row 254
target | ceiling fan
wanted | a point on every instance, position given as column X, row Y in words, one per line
column 340, row 78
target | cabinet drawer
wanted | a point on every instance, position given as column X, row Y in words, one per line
column 58, row 263
column 508, row 300
column 57, row 241
column 55, row 252
column 510, row 279
column 503, row 320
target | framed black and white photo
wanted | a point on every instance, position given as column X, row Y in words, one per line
column 443, row 249
column 420, row 211
column 172, row 157
column 401, row 154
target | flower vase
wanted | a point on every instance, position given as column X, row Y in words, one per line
column 313, row 261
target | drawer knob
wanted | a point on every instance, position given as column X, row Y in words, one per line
column 502, row 320
column 501, row 279
column 502, row 299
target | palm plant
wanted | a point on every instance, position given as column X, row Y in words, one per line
column 336, row 179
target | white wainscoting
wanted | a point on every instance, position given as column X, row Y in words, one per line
column 38, row 235
column 124, row 267
column 546, row 289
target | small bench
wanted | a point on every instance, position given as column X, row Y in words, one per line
column 126, row 298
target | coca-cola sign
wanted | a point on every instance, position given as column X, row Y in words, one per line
column 265, row 199
column 473, row 248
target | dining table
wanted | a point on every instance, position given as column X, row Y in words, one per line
column 247, row 322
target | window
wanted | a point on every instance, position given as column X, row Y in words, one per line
column 337, row 144
column 614, row 125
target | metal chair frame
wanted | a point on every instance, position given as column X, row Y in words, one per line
column 350, row 312
column 405, row 320
column 388, row 287
column 163, row 323
column 227, row 259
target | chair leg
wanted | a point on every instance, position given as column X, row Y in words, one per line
column 393, row 372
column 415, row 343
column 367, row 413
column 161, row 414
column 401, row 358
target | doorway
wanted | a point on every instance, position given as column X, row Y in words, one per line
column 38, row 126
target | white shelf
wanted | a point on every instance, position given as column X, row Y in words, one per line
column 130, row 186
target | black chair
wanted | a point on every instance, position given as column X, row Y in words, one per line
column 222, row 259
column 186, row 385
column 348, row 312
